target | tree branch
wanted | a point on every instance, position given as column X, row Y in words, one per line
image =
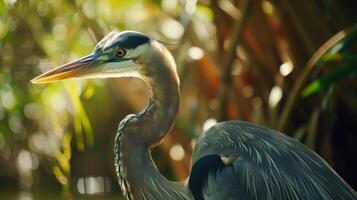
column 310, row 65
column 229, row 58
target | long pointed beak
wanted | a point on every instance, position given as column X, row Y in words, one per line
column 73, row 69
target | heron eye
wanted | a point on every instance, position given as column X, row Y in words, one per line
column 120, row 52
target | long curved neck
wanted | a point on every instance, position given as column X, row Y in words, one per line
column 137, row 173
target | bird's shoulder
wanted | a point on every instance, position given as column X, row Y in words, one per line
column 237, row 137
column 242, row 160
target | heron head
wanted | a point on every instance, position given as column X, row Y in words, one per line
column 116, row 55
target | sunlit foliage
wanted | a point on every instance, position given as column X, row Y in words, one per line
column 287, row 65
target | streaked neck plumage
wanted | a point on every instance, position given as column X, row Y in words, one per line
column 138, row 176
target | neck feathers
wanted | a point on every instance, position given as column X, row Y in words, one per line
column 137, row 173
column 159, row 72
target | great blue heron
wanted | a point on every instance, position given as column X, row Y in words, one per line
column 232, row 160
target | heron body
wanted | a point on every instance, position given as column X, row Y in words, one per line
column 232, row 160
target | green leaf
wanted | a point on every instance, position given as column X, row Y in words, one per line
column 349, row 57
column 205, row 12
column 312, row 88
column 329, row 79
column 341, row 51
column 351, row 39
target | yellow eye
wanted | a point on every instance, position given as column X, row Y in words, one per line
column 120, row 52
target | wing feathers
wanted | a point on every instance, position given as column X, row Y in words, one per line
column 268, row 165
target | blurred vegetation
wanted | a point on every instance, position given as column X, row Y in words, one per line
column 289, row 65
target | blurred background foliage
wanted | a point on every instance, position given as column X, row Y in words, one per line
column 289, row 65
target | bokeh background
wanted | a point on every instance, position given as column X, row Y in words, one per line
column 288, row 65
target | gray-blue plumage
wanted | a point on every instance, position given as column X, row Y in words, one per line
column 232, row 161
column 267, row 165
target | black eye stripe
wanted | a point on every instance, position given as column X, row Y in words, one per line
column 126, row 40
column 130, row 41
